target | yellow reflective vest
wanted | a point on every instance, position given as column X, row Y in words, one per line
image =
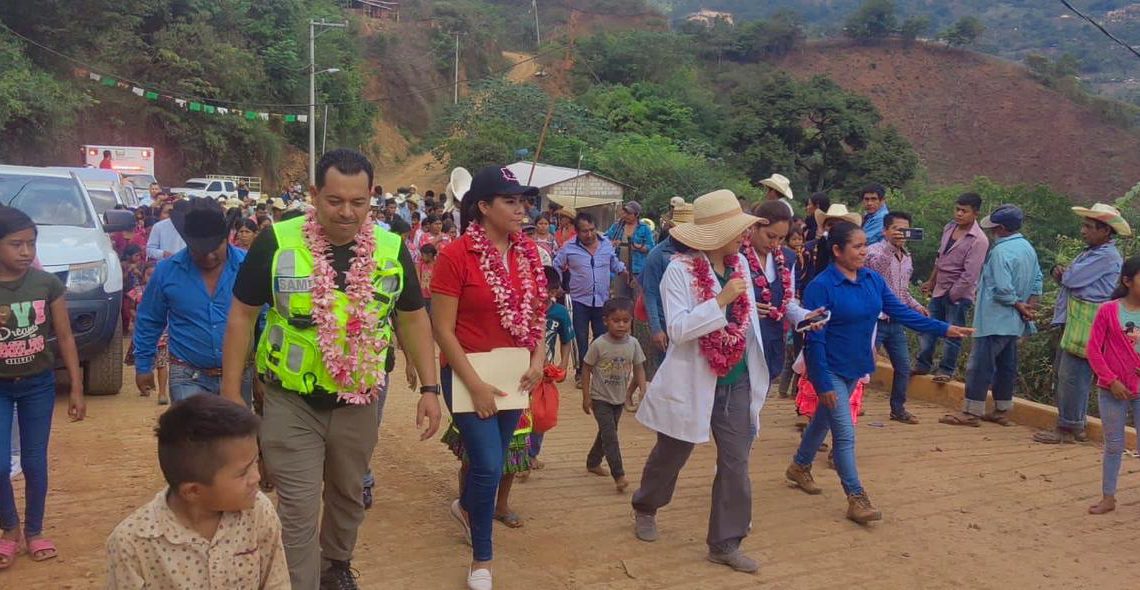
column 288, row 352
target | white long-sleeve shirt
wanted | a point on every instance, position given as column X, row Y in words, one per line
column 163, row 238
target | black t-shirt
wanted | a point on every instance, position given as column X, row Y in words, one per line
column 253, row 285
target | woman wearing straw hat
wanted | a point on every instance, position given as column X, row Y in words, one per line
column 714, row 378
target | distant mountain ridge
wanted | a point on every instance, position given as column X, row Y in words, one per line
column 1015, row 28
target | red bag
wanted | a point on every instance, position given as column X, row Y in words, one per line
column 544, row 399
column 639, row 312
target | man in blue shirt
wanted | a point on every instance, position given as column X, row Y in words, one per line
column 1006, row 309
column 189, row 297
column 875, row 211
column 1088, row 281
column 589, row 259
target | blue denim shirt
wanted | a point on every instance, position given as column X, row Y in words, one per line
column 844, row 345
column 589, row 273
column 176, row 301
column 1011, row 275
column 873, row 225
column 650, row 279
column 1092, row 276
column 642, row 236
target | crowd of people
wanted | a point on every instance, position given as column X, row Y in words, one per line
column 273, row 330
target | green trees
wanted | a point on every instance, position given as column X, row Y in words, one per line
column 874, row 21
column 964, row 32
column 236, row 52
column 34, row 107
column 816, row 133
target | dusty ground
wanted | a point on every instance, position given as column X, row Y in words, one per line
column 973, row 508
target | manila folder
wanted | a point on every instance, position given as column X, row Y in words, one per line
column 502, row 368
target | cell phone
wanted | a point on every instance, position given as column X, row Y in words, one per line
column 811, row 323
column 913, row 233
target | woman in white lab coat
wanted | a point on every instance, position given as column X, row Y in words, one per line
column 714, row 378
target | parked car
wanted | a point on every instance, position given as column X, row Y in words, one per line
column 206, row 187
column 73, row 243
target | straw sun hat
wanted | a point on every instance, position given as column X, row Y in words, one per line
column 1106, row 214
column 837, row 211
column 683, row 213
column 717, row 220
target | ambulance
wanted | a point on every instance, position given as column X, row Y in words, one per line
column 127, row 161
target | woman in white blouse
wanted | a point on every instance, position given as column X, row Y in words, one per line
column 714, row 378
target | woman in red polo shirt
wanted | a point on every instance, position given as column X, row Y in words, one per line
column 488, row 291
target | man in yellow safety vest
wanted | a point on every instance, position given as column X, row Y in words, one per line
column 335, row 285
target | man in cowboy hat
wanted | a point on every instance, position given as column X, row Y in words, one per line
column 823, row 221
column 779, row 189
column 189, row 297
column 1086, row 283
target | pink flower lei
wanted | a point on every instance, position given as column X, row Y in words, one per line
column 761, row 281
column 723, row 348
column 523, row 314
column 355, row 358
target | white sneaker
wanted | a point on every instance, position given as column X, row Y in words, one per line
column 479, row 579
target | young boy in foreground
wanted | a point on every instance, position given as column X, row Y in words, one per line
column 211, row 528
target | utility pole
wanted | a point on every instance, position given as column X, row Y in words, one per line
column 456, row 68
column 313, row 92
column 537, row 34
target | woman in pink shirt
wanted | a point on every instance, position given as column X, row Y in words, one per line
column 1114, row 354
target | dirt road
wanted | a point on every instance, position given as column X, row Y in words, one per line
column 964, row 507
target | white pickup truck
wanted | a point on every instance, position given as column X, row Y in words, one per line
column 215, row 186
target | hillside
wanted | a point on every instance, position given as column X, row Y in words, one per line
column 1014, row 28
column 971, row 115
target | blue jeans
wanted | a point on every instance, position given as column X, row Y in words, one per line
column 953, row 313
column 992, row 364
column 34, row 398
column 586, row 317
column 535, row 444
column 838, row 421
column 1113, row 415
column 486, row 443
column 892, row 337
column 187, row 382
column 1074, row 382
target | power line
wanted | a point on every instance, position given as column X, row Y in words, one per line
column 1102, row 29
column 386, row 98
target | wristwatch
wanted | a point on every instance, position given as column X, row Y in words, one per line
column 430, row 389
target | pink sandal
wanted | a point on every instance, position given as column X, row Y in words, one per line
column 9, row 549
column 42, row 545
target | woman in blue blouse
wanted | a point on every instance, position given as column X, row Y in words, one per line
column 841, row 353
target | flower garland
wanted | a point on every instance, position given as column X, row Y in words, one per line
column 761, row 281
column 723, row 348
column 353, row 360
column 522, row 314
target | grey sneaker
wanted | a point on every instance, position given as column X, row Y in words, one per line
column 645, row 527
column 736, row 560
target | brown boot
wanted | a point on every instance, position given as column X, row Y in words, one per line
column 860, row 510
column 801, row 476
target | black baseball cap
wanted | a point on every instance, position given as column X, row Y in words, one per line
column 202, row 225
column 495, row 180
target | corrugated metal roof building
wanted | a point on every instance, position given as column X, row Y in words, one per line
column 570, row 187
